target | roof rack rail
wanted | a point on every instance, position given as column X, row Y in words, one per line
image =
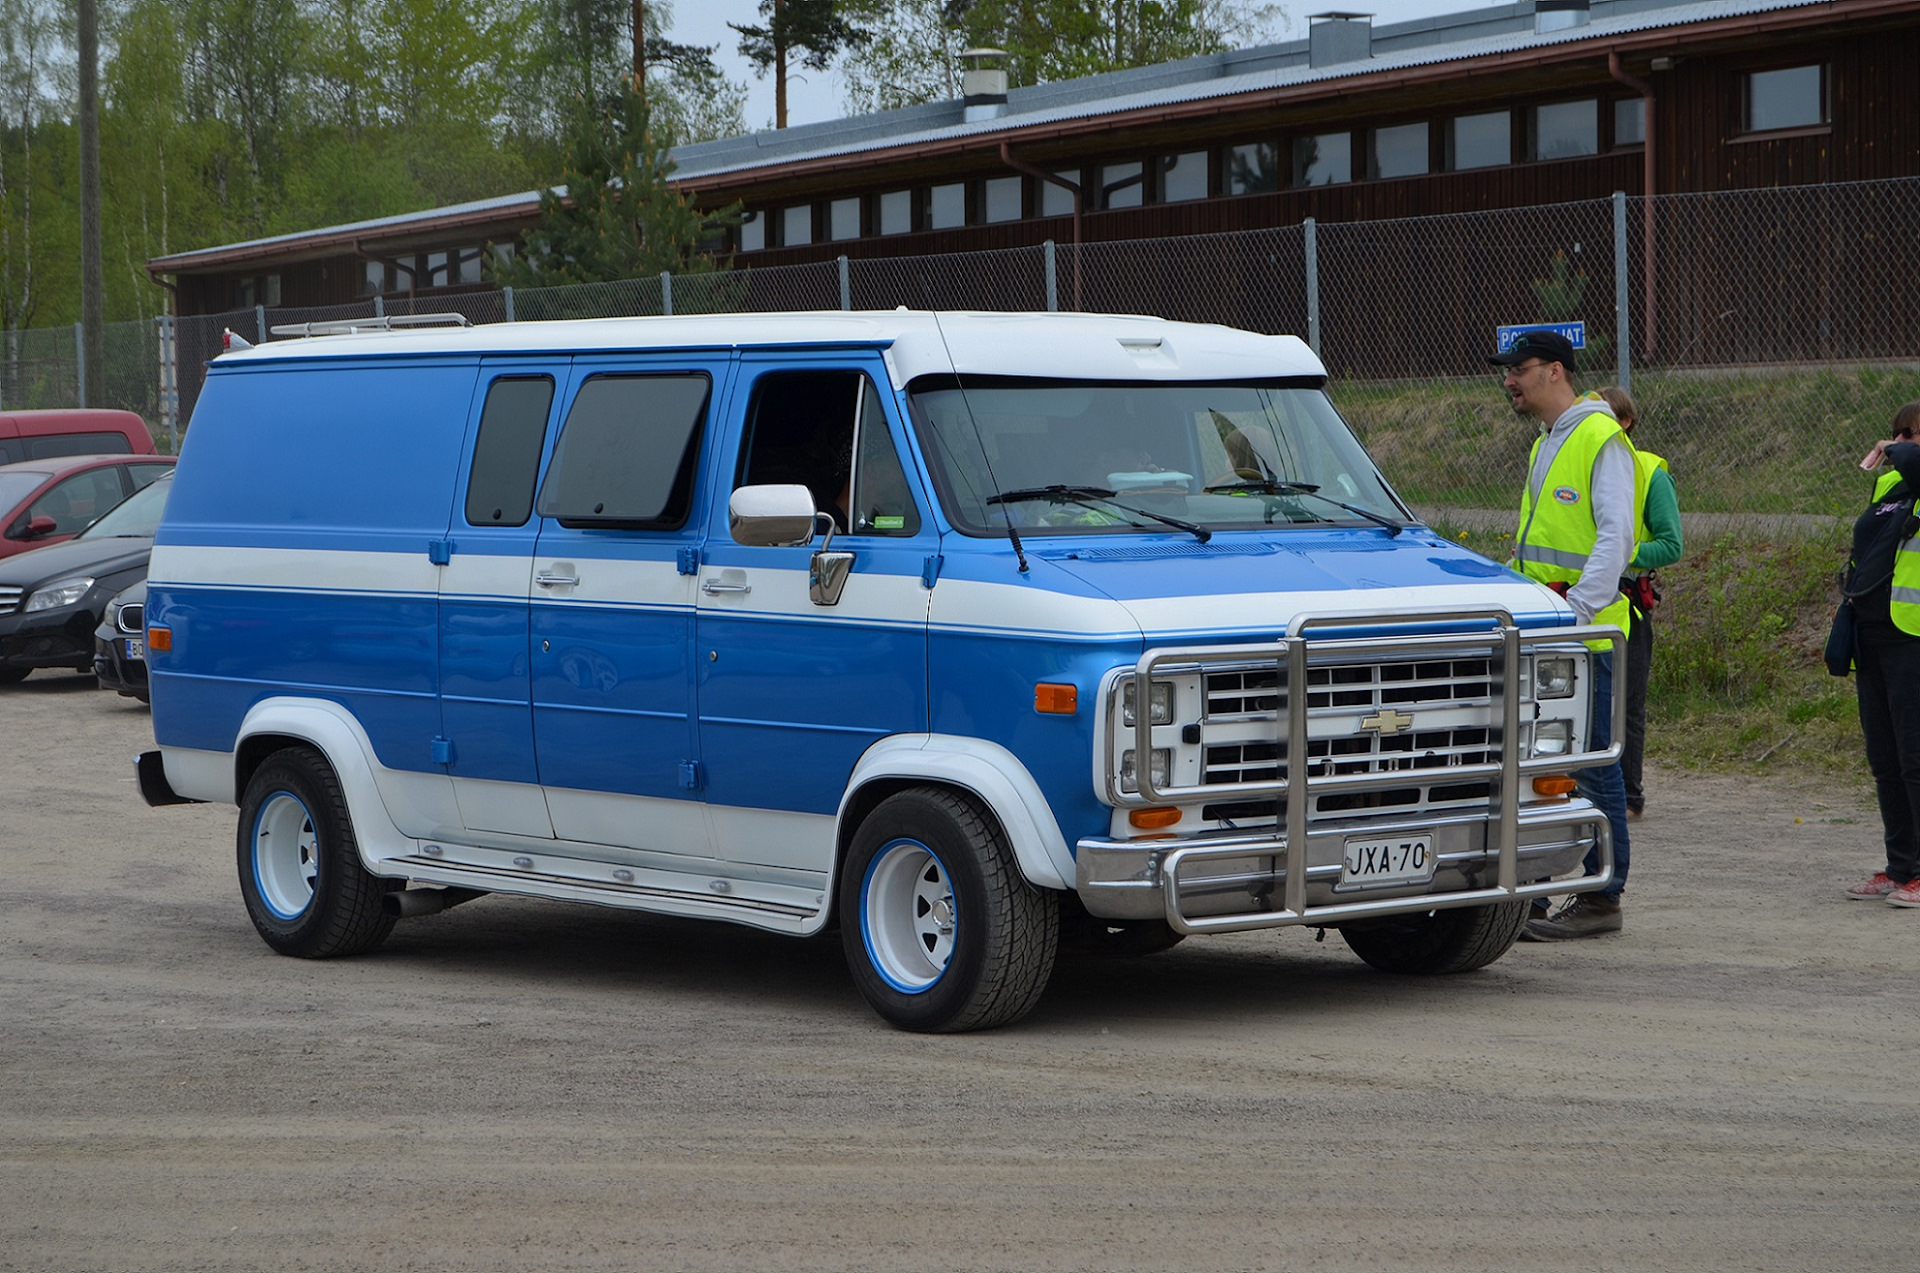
column 385, row 322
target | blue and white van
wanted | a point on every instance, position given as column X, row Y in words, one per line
column 973, row 633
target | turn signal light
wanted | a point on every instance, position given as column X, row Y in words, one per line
column 159, row 638
column 1153, row 819
column 1553, row 785
column 1056, row 700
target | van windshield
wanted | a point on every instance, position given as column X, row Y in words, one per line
column 1082, row 457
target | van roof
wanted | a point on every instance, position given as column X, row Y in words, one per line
column 917, row 342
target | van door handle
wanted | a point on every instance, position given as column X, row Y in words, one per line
column 546, row 580
column 713, row 587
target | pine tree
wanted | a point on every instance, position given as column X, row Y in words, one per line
column 616, row 216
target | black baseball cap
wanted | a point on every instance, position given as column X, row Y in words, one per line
column 1548, row 346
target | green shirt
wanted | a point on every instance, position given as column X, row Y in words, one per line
column 1662, row 517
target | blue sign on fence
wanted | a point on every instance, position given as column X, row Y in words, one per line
column 1576, row 333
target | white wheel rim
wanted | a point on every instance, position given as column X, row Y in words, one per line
column 907, row 916
column 286, row 855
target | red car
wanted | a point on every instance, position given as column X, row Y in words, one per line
column 46, row 501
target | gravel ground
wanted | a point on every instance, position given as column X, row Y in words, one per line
column 519, row 1085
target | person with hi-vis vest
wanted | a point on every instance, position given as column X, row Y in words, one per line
column 1882, row 591
column 1576, row 536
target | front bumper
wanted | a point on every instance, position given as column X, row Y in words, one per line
column 1231, row 881
column 116, row 670
column 61, row 637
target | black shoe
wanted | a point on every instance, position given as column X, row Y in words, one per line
column 1588, row 915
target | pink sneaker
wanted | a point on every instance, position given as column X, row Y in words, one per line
column 1907, row 894
column 1878, row 886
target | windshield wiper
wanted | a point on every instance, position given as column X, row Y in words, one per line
column 1087, row 496
column 1269, row 487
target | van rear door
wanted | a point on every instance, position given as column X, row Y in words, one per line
column 486, row 696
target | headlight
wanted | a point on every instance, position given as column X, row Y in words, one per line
column 1553, row 678
column 55, row 595
column 1159, row 703
column 1553, row 738
column 1162, row 770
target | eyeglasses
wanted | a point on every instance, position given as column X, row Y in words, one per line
column 1528, row 365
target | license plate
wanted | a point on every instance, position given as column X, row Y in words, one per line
column 137, row 648
column 1400, row 859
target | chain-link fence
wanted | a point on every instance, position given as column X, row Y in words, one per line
column 1768, row 344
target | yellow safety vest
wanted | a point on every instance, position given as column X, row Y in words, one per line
column 1557, row 537
column 1903, row 603
column 1645, row 465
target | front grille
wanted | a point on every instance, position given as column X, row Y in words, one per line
column 1445, row 705
column 10, row 599
column 131, row 619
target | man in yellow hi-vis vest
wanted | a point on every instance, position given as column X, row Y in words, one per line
column 1576, row 535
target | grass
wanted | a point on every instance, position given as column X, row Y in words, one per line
column 1738, row 683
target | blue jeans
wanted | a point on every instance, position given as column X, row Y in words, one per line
column 1605, row 787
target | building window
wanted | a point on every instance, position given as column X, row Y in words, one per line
column 796, row 226
column 1792, row 98
column 466, row 265
column 437, row 269
column 1057, row 200
column 1566, row 130
column 1000, row 198
column 271, row 289
column 947, row 206
column 1121, row 186
column 896, row 212
column 753, row 231
column 843, row 219
column 1630, row 122
column 1400, row 151
column 1480, row 141
column 1253, row 168
column 373, row 278
column 1183, row 177
column 1324, row 159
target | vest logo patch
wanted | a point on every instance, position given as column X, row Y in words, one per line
column 1566, row 495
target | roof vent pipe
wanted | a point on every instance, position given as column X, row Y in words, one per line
column 983, row 88
column 1559, row 15
column 1333, row 38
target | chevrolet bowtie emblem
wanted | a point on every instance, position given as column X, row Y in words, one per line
column 1386, row 723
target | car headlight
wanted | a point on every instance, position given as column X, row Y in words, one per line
column 1162, row 770
column 55, row 595
column 1553, row 738
column 1159, row 703
column 1553, row 678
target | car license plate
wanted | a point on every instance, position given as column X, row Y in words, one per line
column 137, row 648
column 1399, row 859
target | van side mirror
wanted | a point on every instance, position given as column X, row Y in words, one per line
column 771, row 516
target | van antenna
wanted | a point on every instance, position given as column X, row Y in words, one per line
column 1013, row 534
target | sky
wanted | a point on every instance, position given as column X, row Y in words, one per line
column 813, row 96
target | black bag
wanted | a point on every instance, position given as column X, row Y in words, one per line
column 1841, row 641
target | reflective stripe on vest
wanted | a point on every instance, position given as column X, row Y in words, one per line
column 1557, row 535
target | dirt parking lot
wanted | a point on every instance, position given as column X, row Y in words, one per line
column 518, row 1085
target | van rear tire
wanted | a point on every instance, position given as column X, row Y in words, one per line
column 941, row 931
column 300, row 872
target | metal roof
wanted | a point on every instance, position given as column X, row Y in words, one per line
column 1497, row 32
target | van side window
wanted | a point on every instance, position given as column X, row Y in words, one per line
column 805, row 428
column 506, row 454
column 627, row 453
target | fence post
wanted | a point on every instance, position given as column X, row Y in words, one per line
column 79, row 365
column 1311, row 250
column 169, row 384
column 1623, row 362
column 507, row 293
column 260, row 322
column 379, row 307
column 666, row 293
column 1053, row 282
column 846, row 285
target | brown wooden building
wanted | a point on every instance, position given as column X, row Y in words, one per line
column 1518, row 105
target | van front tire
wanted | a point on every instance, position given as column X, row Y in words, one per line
column 941, row 932
column 1459, row 939
column 300, row 872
